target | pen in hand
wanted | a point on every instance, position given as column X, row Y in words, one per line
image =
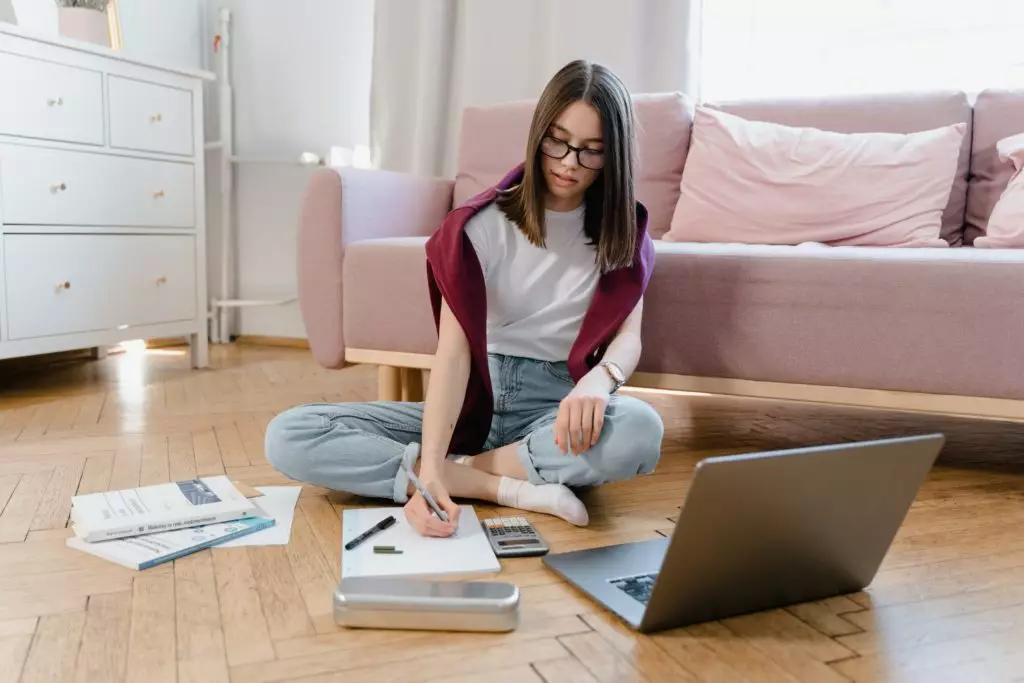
column 441, row 514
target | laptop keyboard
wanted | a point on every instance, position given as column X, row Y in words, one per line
column 638, row 587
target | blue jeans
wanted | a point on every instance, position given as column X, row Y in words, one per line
column 360, row 448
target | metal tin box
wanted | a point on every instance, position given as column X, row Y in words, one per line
column 426, row 605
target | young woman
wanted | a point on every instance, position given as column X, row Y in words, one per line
column 537, row 288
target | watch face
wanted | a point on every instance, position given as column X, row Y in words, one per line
column 614, row 372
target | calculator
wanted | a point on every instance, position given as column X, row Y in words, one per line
column 513, row 537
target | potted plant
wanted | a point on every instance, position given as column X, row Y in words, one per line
column 84, row 20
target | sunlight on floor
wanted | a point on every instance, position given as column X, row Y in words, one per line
column 131, row 383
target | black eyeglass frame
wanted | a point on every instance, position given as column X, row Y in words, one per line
column 569, row 148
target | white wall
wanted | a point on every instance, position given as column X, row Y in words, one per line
column 301, row 78
column 164, row 31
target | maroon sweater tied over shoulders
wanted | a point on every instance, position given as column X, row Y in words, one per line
column 454, row 274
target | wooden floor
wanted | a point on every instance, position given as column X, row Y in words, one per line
column 948, row 604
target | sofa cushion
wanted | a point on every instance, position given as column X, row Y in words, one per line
column 896, row 113
column 998, row 114
column 1005, row 228
column 944, row 321
column 493, row 141
column 385, row 296
column 757, row 182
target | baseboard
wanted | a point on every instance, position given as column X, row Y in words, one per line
column 263, row 340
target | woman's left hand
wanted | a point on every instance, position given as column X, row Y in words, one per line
column 581, row 414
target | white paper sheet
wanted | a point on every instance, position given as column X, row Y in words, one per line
column 467, row 552
column 277, row 502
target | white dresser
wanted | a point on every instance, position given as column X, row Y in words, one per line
column 102, row 202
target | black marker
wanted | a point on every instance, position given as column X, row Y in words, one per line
column 378, row 527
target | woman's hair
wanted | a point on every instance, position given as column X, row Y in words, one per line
column 610, row 221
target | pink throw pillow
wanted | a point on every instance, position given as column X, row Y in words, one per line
column 763, row 183
column 1006, row 223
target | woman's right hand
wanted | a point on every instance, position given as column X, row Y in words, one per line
column 423, row 519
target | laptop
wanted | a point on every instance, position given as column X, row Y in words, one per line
column 759, row 531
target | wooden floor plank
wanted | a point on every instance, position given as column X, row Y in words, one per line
column 55, row 503
column 312, row 574
column 15, row 423
column 89, row 414
column 564, row 670
column 104, row 652
column 54, row 650
column 697, row 657
column 40, row 421
column 152, row 651
column 16, row 519
column 442, row 665
column 246, row 635
column 828, row 616
column 181, row 456
column 96, row 473
column 605, row 664
column 154, row 468
column 280, row 595
column 229, row 441
column 201, row 654
column 127, row 466
column 516, row 674
column 8, row 482
column 67, row 414
column 208, row 457
column 252, row 441
column 13, row 650
column 644, row 654
column 780, row 625
column 326, row 526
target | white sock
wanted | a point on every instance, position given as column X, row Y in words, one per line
column 552, row 499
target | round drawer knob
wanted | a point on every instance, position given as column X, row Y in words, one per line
column 162, row 280
column 55, row 102
column 63, row 285
column 158, row 194
column 58, row 187
column 156, row 118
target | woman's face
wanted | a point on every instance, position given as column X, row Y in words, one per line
column 579, row 126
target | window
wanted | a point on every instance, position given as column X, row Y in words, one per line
column 781, row 48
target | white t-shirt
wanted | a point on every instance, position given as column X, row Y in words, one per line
column 536, row 297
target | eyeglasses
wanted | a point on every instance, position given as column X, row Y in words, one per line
column 558, row 149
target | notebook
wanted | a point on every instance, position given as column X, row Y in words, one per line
column 465, row 552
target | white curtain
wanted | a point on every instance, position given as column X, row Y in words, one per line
column 811, row 48
column 432, row 58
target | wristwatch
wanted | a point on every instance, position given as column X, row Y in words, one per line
column 615, row 372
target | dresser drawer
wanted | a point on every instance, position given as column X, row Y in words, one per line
column 60, row 284
column 50, row 101
column 149, row 117
column 57, row 187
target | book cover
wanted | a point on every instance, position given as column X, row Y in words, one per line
column 143, row 552
column 161, row 507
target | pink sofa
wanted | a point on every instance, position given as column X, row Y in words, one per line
column 938, row 330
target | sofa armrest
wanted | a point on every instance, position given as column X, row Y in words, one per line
column 346, row 205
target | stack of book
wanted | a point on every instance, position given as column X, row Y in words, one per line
column 142, row 527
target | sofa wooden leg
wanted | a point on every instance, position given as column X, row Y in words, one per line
column 412, row 384
column 389, row 383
